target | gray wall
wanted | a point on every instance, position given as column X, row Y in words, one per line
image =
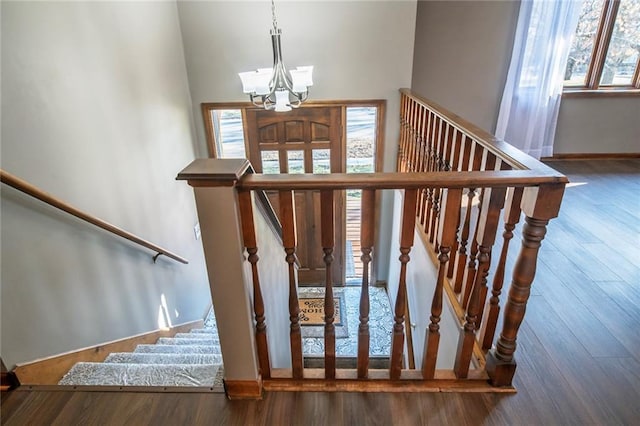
column 598, row 125
column 461, row 59
column 462, row 54
column 360, row 50
column 96, row 110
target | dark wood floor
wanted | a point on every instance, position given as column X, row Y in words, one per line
column 578, row 350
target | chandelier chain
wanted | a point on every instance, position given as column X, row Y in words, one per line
column 273, row 15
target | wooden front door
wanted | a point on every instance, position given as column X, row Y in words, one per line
column 305, row 140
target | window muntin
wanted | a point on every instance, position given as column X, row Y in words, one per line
column 606, row 47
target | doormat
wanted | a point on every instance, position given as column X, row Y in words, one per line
column 312, row 317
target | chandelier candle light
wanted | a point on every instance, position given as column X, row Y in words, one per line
column 276, row 88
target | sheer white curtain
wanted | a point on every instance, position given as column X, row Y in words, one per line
column 531, row 99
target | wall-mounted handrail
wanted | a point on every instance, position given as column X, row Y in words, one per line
column 35, row 192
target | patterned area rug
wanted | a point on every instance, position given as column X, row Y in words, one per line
column 312, row 316
column 380, row 322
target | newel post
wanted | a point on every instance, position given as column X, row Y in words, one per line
column 539, row 204
column 213, row 182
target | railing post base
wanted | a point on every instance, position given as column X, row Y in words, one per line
column 500, row 372
column 243, row 389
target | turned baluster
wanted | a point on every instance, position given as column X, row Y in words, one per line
column 457, row 165
column 462, row 251
column 494, row 214
column 539, row 206
column 487, row 228
column 366, row 243
column 422, row 163
column 511, row 218
column 485, row 163
column 448, row 163
column 438, row 166
column 249, row 238
column 427, row 202
column 288, row 220
column 463, row 267
column 470, row 273
column 406, row 242
column 328, row 237
column 403, row 133
column 426, row 193
column 416, row 137
column 446, row 236
column 409, row 135
column 422, row 137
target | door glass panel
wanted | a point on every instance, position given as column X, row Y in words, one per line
column 361, row 136
column 295, row 161
column 270, row 162
column 229, row 134
column 321, row 161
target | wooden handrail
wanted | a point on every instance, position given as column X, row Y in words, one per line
column 35, row 192
column 485, row 179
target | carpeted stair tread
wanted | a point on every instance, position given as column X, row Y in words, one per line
column 180, row 341
column 111, row 374
column 162, row 358
column 213, row 336
column 178, row 349
column 204, row 331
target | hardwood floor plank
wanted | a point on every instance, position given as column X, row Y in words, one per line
column 578, row 319
column 628, row 271
column 39, row 408
column 611, row 315
column 627, row 296
column 590, row 265
column 562, row 405
column 624, row 373
column 10, row 402
column 575, row 364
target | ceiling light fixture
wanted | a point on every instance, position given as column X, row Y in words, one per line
column 276, row 88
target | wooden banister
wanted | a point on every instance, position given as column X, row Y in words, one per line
column 454, row 178
column 444, row 179
column 35, row 192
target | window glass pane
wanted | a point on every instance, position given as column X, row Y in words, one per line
column 295, row 161
column 622, row 56
column 582, row 43
column 229, row 133
column 270, row 162
column 361, row 136
column 321, row 161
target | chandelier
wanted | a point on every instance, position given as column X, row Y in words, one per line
column 276, row 88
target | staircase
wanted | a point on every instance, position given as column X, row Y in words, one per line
column 188, row 359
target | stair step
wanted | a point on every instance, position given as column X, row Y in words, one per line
column 162, row 358
column 181, row 341
column 203, row 336
column 204, row 331
column 99, row 374
column 178, row 349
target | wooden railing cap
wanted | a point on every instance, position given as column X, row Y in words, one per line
column 502, row 178
column 214, row 172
